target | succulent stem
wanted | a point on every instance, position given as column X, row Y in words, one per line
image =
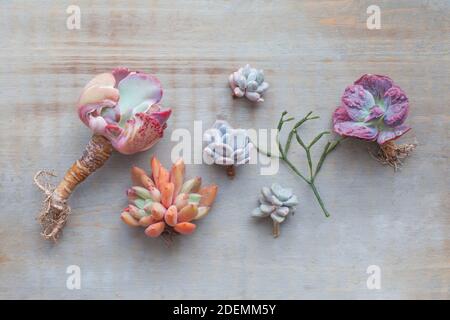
column 275, row 229
column 319, row 199
column 55, row 208
column 231, row 172
column 330, row 146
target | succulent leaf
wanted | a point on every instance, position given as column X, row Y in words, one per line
column 140, row 203
column 259, row 213
column 194, row 198
column 142, row 192
column 164, row 177
column 177, row 177
column 155, row 230
column 202, row 212
column 129, row 220
column 188, row 213
column 276, row 217
column 208, row 195
column 291, row 202
column 185, row 228
column 167, row 190
column 171, row 216
column 191, row 185
column 158, row 211
column 181, row 200
column 155, row 165
column 282, row 194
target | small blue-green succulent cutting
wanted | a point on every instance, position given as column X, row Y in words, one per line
column 276, row 202
column 248, row 82
column 227, row 146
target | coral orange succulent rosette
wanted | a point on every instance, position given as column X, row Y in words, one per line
column 164, row 204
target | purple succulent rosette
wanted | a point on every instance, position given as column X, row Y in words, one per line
column 372, row 109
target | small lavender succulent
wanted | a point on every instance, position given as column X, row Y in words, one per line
column 276, row 202
column 248, row 82
column 227, row 146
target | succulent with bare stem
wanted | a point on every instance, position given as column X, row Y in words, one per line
column 121, row 108
column 276, row 202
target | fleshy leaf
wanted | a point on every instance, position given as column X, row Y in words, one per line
column 340, row 115
column 141, row 132
column 356, row 129
column 357, row 102
column 138, row 91
column 377, row 85
column 397, row 106
column 392, row 133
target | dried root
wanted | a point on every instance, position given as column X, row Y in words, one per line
column 55, row 209
column 54, row 212
column 392, row 154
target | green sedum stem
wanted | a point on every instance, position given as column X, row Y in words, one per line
column 329, row 147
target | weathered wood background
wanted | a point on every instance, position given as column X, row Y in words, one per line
column 310, row 51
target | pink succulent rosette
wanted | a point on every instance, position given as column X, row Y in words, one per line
column 374, row 109
column 122, row 106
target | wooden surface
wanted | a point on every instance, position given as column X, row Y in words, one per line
column 311, row 50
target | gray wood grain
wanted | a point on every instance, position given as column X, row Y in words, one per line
column 310, row 51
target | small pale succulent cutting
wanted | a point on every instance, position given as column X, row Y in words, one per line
column 276, row 202
column 248, row 82
column 227, row 146
column 165, row 204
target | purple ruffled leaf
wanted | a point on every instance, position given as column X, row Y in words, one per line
column 377, row 85
column 397, row 106
column 357, row 102
column 375, row 113
column 340, row 115
column 345, row 126
column 356, row 129
column 388, row 134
